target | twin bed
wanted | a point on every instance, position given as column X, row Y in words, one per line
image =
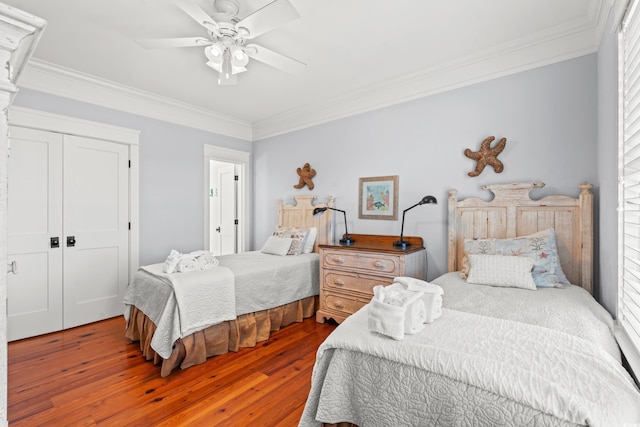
column 181, row 319
column 504, row 355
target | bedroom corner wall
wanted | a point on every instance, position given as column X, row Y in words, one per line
column 607, row 165
column 548, row 115
column 171, row 174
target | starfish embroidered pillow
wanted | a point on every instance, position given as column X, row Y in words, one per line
column 539, row 247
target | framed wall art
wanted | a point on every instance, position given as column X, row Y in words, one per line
column 378, row 198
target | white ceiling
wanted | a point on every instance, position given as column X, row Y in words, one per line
column 360, row 55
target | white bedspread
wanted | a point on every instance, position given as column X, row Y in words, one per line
column 520, row 374
column 570, row 309
column 266, row 281
column 187, row 302
column 182, row 303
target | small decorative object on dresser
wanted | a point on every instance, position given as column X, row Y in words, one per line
column 349, row 273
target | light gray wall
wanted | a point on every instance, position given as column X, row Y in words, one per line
column 172, row 189
column 548, row 116
column 608, row 168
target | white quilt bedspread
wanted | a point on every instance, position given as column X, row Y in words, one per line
column 570, row 309
column 512, row 373
column 182, row 303
column 266, row 281
column 187, row 302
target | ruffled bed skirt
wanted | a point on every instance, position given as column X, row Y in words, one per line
column 246, row 331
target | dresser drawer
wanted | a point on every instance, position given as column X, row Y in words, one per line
column 363, row 261
column 353, row 282
column 341, row 303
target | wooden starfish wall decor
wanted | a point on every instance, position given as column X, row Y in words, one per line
column 487, row 155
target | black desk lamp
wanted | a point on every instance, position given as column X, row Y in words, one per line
column 402, row 244
column 346, row 240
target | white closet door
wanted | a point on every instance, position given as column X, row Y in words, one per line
column 96, row 212
column 34, row 294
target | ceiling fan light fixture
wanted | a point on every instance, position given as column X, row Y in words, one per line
column 226, row 76
column 215, row 66
column 215, row 53
column 238, row 57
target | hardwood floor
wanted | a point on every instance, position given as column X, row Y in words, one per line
column 92, row 375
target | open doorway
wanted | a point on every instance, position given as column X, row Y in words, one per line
column 226, row 205
column 223, row 196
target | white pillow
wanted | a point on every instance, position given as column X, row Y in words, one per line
column 501, row 270
column 311, row 240
column 277, row 245
column 299, row 236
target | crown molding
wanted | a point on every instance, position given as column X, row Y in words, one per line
column 54, row 79
column 571, row 41
column 578, row 38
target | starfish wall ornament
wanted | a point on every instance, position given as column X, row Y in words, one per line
column 487, row 155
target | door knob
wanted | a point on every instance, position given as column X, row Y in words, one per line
column 218, row 229
column 71, row 241
column 55, row 242
column 12, row 267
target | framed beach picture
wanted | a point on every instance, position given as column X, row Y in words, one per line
column 378, row 198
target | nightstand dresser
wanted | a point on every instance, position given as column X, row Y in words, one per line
column 349, row 273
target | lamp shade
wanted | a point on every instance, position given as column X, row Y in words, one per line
column 215, row 53
column 238, row 57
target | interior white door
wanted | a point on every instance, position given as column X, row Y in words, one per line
column 96, row 205
column 34, row 294
column 227, row 205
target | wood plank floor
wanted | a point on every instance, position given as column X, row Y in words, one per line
column 93, row 376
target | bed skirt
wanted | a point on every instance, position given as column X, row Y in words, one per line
column 245, row 331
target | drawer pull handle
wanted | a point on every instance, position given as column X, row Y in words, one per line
column 338, row 282
column 378, row 264
column 338, row 260
column 338, row 304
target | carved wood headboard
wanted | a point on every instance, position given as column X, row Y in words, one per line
column 300, row 214
column 512, row 213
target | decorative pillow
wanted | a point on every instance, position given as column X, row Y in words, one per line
column 310, row 242
column 500, row 270
column 277, row 245
column 299, row 235
column 540, row 247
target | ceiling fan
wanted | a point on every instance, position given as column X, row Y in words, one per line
column 225, row 47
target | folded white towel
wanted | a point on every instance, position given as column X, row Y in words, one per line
column 188, row 263
column 413, row 284
column 396, row 312
column 206, row 260
column 171, row 262
column 432, row 295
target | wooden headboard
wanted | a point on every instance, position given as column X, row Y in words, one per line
column 300, row 214
column 512, row 213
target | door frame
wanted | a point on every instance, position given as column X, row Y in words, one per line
column 242, row 159
column 41, row 120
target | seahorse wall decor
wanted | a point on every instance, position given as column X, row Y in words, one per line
column 487, row 155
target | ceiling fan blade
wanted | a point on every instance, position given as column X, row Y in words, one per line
column 174, row 42
column 196, row 12
column 275, row 59
column 273, row 15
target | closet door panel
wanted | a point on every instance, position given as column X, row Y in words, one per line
column 34, row 294
column 96, row 212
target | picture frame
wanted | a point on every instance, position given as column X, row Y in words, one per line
column 378, row 198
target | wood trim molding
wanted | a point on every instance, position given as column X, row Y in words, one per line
column 35, row 119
